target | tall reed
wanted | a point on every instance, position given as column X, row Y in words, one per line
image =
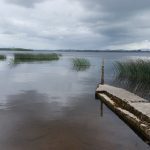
column 2, row 57
column 21, row 57
column 80, row 64
column 138, row 70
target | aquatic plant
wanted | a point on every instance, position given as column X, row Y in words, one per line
column 80, row 64
column 20, row 49
column 27, row 57
column 135, row 70
column 2, row 57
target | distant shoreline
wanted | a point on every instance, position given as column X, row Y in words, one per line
column 72, row 50
column 15, row 49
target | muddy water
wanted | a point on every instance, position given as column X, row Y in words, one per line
column 51, row 106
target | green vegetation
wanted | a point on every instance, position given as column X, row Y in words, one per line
column 20, row 49
column 27, row 57
column 2, row 57
column 15, row 49
column 80, row 64
column 134, row 70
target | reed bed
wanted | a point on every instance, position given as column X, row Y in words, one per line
column 80, row 64
column 2, row 57
column 135, row 70
column 26, row 57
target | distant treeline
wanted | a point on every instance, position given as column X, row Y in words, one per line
column 139, row 50
column 15, row 49
column 74, row 50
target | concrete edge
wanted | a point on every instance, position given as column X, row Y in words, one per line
column 126, row 106
column 138, row 121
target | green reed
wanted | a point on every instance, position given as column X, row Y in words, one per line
column 2, row 57
column 138, row 70
column 80, row 64
column 26, row 57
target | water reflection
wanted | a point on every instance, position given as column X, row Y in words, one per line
column 80, row 67
column 50, row 106
column 33, row 122
column 101, row 109
column 34, row 105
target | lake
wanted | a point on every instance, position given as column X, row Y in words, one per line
column 52, row 106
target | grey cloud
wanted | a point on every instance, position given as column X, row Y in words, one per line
column 24, row 3
column 115, row 19
column 112, row 11
column 115, row 6
column 78, row 23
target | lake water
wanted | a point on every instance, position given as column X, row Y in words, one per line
column 52, row 106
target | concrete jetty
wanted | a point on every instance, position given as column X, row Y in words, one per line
column 134, row 110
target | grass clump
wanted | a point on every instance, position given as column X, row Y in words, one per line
column 2, row 57
column 27, row 57
column 20, row 49
column 80, row 64
column 135, row 70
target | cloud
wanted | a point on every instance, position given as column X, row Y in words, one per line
column 76, row 24
column 115, row 6
column 118, row 20
column 133, row 46
column 24, row 3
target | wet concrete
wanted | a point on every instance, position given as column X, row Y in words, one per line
column 30, row 122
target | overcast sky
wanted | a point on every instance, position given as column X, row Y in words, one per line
column 75, row 24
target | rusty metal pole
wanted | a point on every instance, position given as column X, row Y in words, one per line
column 102, row 72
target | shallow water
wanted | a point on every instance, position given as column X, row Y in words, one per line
column 50, row 105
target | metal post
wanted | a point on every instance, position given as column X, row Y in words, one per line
column 102, row 72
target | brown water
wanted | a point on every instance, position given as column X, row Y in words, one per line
column 50, row 106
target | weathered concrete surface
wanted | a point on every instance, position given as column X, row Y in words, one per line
column 120, row 93
column 142, row 107
column 130, row 107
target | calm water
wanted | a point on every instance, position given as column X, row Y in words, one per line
column 51, row 106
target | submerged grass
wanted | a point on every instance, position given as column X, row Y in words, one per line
column 27, row 57
column 134, row 70
column 80, row 64
column 2, row 57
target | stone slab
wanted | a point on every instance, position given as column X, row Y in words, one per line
column 142, row 107
column 120, row 93
column 132, row 108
